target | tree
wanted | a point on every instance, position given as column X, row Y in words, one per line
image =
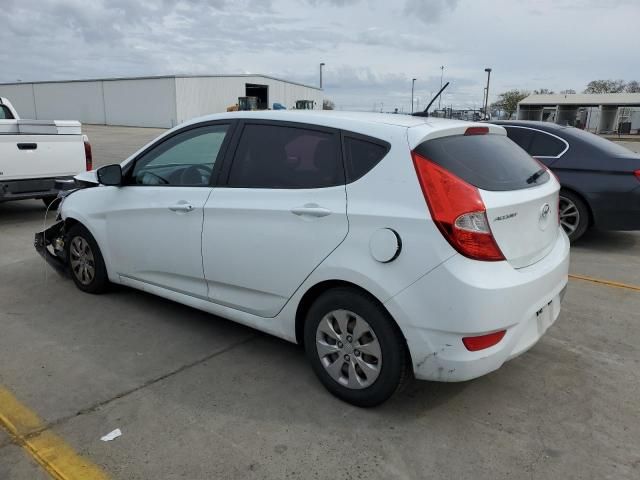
column 328, row 104
column 543, row 91
column 508, row 101
column 605, row 86
column 568, row 91
column 632, row 87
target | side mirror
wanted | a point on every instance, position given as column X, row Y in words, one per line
column 110, row 175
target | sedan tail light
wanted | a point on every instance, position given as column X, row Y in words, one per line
column 637, row 174
column 458, row 211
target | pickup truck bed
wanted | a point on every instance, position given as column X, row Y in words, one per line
column 36, row 153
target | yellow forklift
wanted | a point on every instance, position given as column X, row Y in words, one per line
column 244, row 104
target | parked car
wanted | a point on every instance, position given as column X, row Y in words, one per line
column 600, row 179
column 36, row 156
column 385, row 244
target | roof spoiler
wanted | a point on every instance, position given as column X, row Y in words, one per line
column 425, row 113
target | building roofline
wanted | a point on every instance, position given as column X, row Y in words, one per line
column 156, row 77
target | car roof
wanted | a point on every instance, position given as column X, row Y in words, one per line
column 335, row 119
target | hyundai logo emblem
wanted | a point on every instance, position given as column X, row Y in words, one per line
column 545, row 211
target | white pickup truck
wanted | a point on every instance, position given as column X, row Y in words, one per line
column 38, row 157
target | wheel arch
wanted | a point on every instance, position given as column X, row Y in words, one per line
column 318, row 289
column 582, row 197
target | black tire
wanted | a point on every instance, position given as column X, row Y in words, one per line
column 584, row 217
column 99, row 282
column 49, row 200
column 395, row 360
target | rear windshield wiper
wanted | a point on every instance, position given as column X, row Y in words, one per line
column 533, row 178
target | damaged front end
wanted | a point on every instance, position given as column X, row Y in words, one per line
column 50, row 244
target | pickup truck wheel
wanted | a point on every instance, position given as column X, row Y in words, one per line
column 85, row 261
column 355, row 348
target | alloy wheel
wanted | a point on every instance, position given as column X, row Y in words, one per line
column 82, row 262
column 569, row 215
column 348, row 349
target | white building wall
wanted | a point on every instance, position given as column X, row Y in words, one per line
column 148, row 102
column 70, row 101
column 197, row 96
column 145, row 102
column 21, row 97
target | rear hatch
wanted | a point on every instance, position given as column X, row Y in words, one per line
column 519, row 196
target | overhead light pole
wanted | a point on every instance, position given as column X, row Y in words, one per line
column 486, row 102
column 413, row 83
column 321, row 65
column 440, row 98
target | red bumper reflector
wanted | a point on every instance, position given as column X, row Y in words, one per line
column 481, row 342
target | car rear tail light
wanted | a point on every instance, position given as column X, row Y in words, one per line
column 477, row 131
column 473, row 344
column 457, row 210
column 88, row 157
column 637, row 174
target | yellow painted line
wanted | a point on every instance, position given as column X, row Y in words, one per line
column 609, row 283
column 57, row 458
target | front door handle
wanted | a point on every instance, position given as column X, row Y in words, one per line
column 27, row 146
column 181, row 207
column 311, row 210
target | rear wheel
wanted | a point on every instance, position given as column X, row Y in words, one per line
column 85, row 261
column 354, row 347
column 574, row 215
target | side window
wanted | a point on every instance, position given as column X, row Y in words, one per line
column 361, row 156
column 521, row 136
column 186, row 159
column 273, row 156
column 5, row 113
column 545, row 145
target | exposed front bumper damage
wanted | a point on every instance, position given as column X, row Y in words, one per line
column 50, row 244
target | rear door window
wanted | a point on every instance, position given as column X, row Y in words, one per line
column 362, row 154
column 489, row 162
column 521, row 136
column 275, row 156
column 545, row 145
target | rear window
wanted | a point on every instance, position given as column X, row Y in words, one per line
column 545, row 145
column 597, row 142
column 489, row 162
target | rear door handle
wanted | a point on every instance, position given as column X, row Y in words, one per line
column 27, row 146
column 311, row 210
column 181, row 207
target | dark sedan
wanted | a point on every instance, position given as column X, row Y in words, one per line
column 600, row 179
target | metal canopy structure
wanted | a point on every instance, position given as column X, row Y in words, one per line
column 598, row 112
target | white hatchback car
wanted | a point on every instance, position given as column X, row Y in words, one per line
column 385, row 244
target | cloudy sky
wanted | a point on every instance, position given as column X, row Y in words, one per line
column 372, row 48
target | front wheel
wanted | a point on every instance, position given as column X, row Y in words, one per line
column 355, row 348
column 574, row 215
column 85, row 261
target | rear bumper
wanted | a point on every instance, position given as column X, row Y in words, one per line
column 620, row 211
column 463, row 297
column 34, row 188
